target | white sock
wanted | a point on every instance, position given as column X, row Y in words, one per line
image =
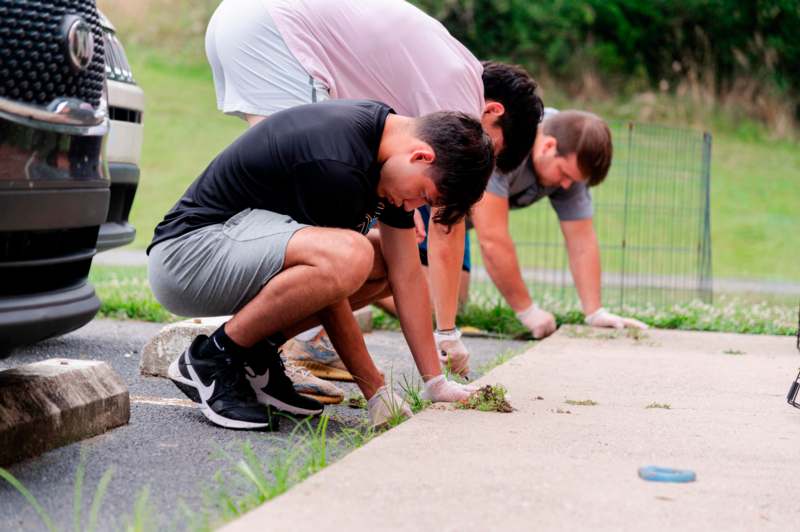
column 305, row 336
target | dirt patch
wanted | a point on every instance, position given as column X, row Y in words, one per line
column 638, row 336
column 357, row 400
column 488, row 399
column 584, row 402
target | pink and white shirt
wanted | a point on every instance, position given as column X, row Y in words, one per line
column 386, row 50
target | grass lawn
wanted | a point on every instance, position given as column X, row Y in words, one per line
column 183, row 133
column 125, row 294
column 754, row 201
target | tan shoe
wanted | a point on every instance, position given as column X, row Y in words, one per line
column 318, row 356
column 307, row 384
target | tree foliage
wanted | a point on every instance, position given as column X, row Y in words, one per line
column 657, row 43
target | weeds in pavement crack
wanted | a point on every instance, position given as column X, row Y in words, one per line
column 584, row 402
column 413, row 392
column 488, row 399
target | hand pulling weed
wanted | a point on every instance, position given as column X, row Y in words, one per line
column 488, row 399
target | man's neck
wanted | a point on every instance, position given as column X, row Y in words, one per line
column 397, row 134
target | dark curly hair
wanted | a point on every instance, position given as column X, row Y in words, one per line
column 464, row 161
column 512, row 86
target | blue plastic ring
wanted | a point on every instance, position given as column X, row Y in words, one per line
column 666, row 474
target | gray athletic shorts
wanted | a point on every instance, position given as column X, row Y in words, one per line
column 217, row 269
column 254, row 71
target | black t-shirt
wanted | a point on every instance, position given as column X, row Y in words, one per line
column 317, row 163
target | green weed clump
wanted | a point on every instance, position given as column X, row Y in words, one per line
column 490, row 398
column 413, row 391
column 665, row 406
column 261, row 482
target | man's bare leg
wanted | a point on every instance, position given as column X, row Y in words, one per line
column 348, row 341
column 322, row 266
column 253, row 119
column 376, row 287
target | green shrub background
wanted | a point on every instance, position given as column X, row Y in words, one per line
column 720, row 47
column 755, row 153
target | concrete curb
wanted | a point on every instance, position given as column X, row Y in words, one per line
column 586, row 420
column 173, row 339
column 55, row 402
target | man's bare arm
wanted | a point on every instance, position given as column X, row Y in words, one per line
column 490, row 217
column 445, row 257
column 410, row 292
column 584, row 261
column 583, row 251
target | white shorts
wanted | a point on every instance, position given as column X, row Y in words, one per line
column 254, row 71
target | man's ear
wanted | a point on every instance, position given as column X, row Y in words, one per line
column 425, row 155
column 494, row 108
column 549, row 145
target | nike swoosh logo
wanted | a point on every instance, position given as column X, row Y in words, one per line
column 258, row 382
column 205, row 391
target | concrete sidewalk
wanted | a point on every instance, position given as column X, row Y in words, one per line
column 557, row 466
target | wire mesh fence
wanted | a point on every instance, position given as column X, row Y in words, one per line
column 652, row 219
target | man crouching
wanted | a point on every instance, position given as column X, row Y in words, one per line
column 276, row 231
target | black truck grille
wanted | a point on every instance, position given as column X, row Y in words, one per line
column 40, row 261
column 34, row 65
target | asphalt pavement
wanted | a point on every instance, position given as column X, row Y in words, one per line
column 168, row 447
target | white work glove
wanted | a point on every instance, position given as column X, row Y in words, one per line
column 385, row 405
column 603, row 318
column 540, row 322
column 441, row 390
column 452, row 351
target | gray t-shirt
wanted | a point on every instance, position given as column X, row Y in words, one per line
column 522, row 188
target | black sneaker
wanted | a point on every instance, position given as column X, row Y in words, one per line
column 218, row 384
column 267, row 375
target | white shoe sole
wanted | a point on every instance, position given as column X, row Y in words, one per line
column 227, row 422
column 188, row 387
column 265, row 399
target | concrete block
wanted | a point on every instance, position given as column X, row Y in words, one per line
column 173, row 339
column 364, row 318
column 55, row 402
